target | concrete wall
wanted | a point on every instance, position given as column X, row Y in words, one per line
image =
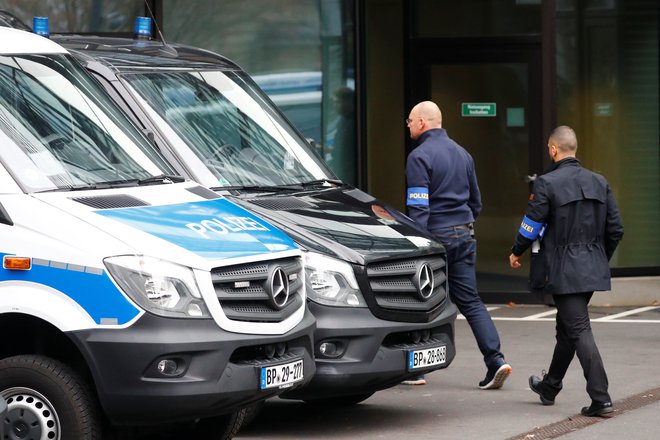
column 635, row 291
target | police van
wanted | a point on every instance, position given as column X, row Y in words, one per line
column 376, row 283
column 128, row 295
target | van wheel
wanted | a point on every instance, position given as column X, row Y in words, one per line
column 223, row 427
column 46, row 400
column 251, row 412
column 351, row 399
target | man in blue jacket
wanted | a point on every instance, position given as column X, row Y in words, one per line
column 581, row 226
column 444, row 198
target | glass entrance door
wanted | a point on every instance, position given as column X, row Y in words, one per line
column 490, row 102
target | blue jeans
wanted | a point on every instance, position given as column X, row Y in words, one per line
column 461, row 260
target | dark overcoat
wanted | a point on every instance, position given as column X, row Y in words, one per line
column 582, row 229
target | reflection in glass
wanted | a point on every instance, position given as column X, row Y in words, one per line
column 222, row 118
column 78, row 16
column 59, row 131
column 607, row 89
column 301, row 52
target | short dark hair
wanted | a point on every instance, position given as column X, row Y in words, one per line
column 564, row 138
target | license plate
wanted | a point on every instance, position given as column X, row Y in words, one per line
column 427, row 357
column 281, row 376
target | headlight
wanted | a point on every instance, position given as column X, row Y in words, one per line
column 158, row 286
column 331, row 282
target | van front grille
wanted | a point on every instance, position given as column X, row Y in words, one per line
column 268, row 291
column 405, row 285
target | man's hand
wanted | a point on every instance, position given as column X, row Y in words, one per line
column 514, row 261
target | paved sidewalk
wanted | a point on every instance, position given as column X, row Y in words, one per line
column 641, row 424
column 451, row 406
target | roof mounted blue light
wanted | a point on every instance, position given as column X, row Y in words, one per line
column 40, row 26
column 142, row 27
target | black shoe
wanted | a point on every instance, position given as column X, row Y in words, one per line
column 495, row 378
column 535, row 385
column 597, row 409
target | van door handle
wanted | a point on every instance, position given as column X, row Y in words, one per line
column 531, row 178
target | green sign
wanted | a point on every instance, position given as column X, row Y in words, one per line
column 479, row 109
column 603, row 109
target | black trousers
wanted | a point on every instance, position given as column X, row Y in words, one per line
column 574, row 336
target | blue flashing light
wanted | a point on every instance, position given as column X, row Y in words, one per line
column 40, row 26
column 143, row 27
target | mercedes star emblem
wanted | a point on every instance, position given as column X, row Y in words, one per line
column 279, row 288
column 425, row 281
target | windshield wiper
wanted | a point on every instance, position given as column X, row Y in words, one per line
column 162, row 178
column 73, row 188
column 100, row 185
column 323, row 181
column 257, row 188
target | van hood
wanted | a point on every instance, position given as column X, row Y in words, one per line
column 344, row 222
column 176, row 222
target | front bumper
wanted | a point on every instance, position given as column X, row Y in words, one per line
column 375, row 351
column 222, row 370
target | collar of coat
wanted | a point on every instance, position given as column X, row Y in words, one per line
column 569, row 161
column 431, row 132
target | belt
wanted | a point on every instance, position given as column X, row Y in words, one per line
column 465, row 227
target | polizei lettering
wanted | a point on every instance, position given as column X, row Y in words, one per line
column 530, row 229
column 207, row 228
column 527, row 227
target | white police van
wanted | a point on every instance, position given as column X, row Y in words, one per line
column 128, row 295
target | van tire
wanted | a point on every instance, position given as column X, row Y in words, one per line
column 223, row 427
column 251, row 412
column 47, row 398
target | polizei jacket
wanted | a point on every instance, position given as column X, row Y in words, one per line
column 573, row 212
column 442, row 183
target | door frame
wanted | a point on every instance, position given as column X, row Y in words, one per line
column 425, row 52
column 422, row 53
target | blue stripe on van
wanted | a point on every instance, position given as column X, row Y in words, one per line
column 91, row 288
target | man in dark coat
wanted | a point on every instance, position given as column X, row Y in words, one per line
column 574, row 216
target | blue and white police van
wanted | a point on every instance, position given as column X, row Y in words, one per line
column 128, row 295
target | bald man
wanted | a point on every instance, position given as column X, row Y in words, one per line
column 573, row 217
column 444, row 199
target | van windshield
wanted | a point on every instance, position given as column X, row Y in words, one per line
column 59, row 131
column 230, row 127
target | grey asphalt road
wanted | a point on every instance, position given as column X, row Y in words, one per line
column 451, row 406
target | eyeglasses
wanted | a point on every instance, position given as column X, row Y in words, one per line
column 408, row 120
